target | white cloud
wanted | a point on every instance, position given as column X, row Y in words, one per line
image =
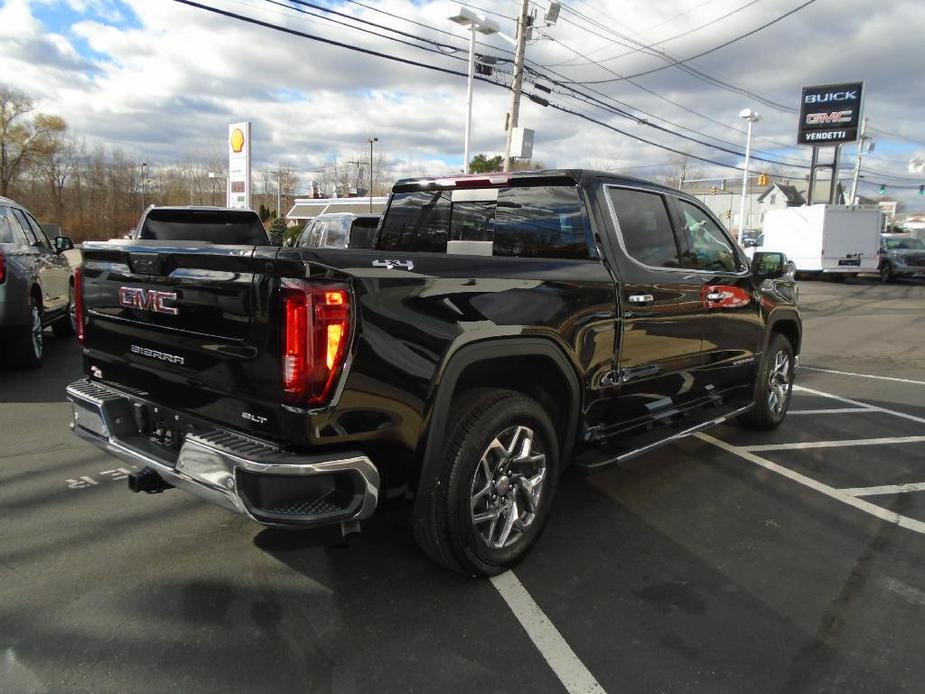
column 172, row 84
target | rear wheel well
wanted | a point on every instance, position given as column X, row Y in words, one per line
column 536, row 376
column 789, row 329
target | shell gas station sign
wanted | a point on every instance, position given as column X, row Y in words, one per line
column 239, row 165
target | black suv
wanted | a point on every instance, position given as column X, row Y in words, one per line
column 503, row 328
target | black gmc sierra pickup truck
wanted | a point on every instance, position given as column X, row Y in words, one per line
column 504, row 327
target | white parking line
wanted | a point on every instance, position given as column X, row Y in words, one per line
column 886, row 489
column 573, row 674
column 860, row 504
column 907, row 592
column 884, row 441
column 858, row 403
column 850, row 373
column 833, row 410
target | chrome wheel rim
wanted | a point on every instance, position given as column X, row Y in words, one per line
column 779, row 383
column 38, row 341
column 507, row 487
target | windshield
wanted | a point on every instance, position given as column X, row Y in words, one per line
column 904, row 244
column 224, row 227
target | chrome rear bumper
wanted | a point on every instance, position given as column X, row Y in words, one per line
column 233, row 471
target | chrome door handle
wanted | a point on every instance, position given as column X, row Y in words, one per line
column 716, row 296
column 641, row 299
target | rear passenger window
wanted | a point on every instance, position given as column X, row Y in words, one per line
column 645, row 227
column 6, row 231
column 521, row 221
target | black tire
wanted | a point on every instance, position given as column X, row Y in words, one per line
column 886, row 273
column 765, row 414
column 28, row 342
column 445, row 512
column 66, row 326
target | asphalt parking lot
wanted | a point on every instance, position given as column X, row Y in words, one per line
column 784, row 562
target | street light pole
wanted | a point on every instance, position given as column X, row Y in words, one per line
column 371, row 140
column 751, row 117
column 475, row 22
column 469, row 97
column 279, row 190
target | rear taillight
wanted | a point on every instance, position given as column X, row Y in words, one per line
column 316, row 333
column 2, row 266
column 79, row 303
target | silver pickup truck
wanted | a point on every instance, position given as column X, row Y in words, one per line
column 36, row 286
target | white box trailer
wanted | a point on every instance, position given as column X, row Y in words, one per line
column 830, row 239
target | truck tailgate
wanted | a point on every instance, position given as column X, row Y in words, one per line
column 185, row 324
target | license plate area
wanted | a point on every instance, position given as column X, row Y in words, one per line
column 849, row 262
column 162, row 429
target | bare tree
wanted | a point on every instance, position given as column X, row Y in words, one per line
column 22, row 140
column 56, row 168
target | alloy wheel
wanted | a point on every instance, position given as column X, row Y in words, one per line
column 38, row 339
column 507, row 487
column 72, row 309
column 779, row 383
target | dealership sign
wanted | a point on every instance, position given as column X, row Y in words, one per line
column 239, row 165
column 830, row 114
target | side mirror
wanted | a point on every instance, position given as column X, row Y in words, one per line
column 768, row 265
column 63, row 243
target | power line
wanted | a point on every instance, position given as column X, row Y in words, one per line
column 321, row 39
column 673, row 62
column 676, row 36
column 313, row 37
column 887, row 133
column 620, row 112
column 730, row 41
column 666, row 99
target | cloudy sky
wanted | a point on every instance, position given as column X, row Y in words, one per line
column 162, row 80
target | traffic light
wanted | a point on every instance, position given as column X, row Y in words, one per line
column 882, row 189
column 712, row 190
column 762, row 179
column 728, row 214
column 921, row 190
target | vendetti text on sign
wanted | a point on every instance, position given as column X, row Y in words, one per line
column 830, row 114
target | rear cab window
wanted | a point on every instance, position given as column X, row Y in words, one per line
column 522, row 221
column 363, row 232
column 224, row 227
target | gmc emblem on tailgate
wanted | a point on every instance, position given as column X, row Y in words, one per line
column 147, row 300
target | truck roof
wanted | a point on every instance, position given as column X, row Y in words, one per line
column 500, row 178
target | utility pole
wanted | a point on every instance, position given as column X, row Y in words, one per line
column 144, row 183
column 862, row 143
column 359, row 165
column 371, row 140
column 518, row 81
column 279, row 190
